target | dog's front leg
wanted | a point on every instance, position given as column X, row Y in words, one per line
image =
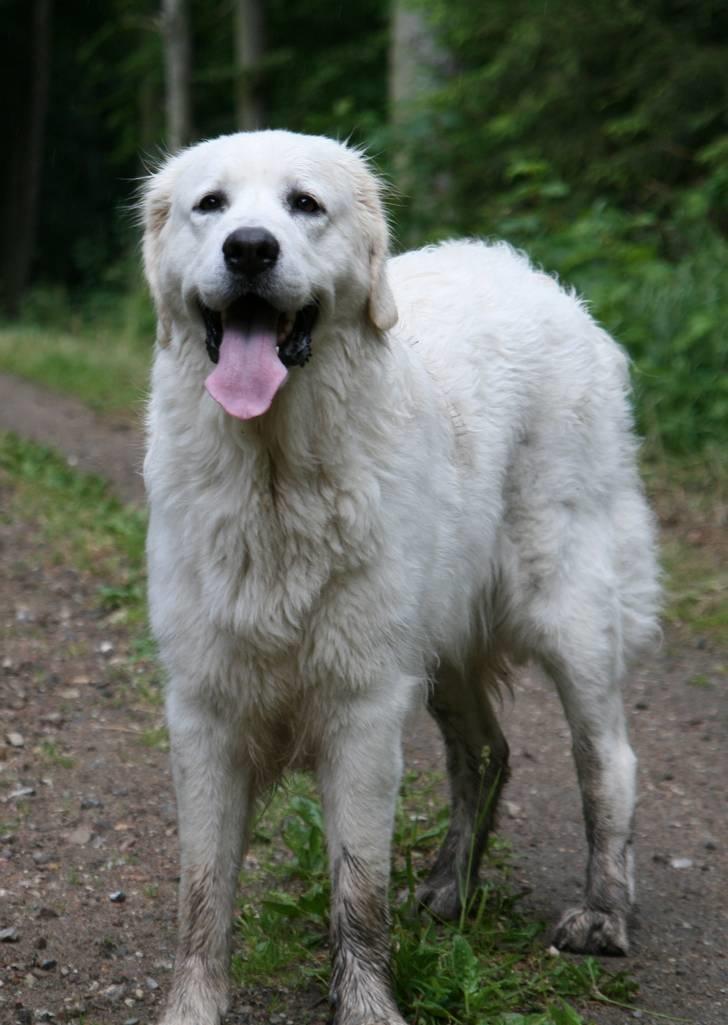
column 359, row 777
column 214, row 797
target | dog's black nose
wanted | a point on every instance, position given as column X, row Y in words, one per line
column 250, row 251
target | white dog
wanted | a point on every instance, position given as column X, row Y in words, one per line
column 447, row 486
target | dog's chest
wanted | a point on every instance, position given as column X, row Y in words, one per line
column 271, row 549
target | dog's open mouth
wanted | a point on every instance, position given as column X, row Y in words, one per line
column 252, row 344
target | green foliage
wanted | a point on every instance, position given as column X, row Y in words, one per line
column 595, row 138
column 491, row 968
column 628, row 102
column 670, row 315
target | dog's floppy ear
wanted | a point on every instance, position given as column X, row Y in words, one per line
column 156, row 203
column 381, row 307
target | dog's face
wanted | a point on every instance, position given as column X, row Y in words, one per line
column 254, row 237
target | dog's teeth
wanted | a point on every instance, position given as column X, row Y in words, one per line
column 285, row 326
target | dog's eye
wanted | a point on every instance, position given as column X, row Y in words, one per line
column 211, row 202
column 301, row 201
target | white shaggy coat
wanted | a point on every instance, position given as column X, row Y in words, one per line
column 448, row 485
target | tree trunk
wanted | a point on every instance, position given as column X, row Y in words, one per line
column 26, row 154
column 416, row 61
column 249, row 46
column 176, row 33
column 418, row 66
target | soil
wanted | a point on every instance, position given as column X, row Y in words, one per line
column 88, row 858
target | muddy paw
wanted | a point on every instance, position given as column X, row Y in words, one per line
column 442, row 900
column 586, row 931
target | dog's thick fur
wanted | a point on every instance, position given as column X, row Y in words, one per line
column 447, row 487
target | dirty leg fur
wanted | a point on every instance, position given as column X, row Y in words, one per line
column 477, row 762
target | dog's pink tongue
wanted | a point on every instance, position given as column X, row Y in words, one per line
column 248, row 372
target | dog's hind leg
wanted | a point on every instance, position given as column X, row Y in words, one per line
column 359, row 773
column 580, row 648
column 477, row 762
column 214, row 798
column 606, row 768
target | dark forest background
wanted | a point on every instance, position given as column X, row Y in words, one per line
column 595, row 136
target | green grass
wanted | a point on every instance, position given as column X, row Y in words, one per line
column 491, row 968
column 106, row 370
column 691, row 498
column 697, row 590
column 51, row 752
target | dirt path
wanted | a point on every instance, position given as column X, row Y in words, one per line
column 87, row 806
column 112, row 448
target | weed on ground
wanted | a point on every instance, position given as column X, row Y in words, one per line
column 490, row 968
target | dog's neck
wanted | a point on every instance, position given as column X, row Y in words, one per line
column 320, row 421
column 324, row 407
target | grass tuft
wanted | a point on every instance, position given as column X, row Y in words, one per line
column 491, row 968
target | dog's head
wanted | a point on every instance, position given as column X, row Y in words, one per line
column 255, row 238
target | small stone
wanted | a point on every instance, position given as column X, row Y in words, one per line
column 80, row 836
column 711, row 844
column 105, row 648
column 52, row 718
column 513, row 810
column 21, row 792
column 681, row 862
column 44, row 1015
column 15, row 739
column 132, row 1021
column 115, row 993
column 9, row 935
column 49, row 964
column 117, row 897
column 553, row 951
column 91, row 802
column 42, row 857
column 151, row 983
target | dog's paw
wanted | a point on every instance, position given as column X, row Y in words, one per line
column 195, row 1001
column 442, row 900
column 186, row 1016
column 173, row 1016
column 392, row 1018
column 586, row 931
